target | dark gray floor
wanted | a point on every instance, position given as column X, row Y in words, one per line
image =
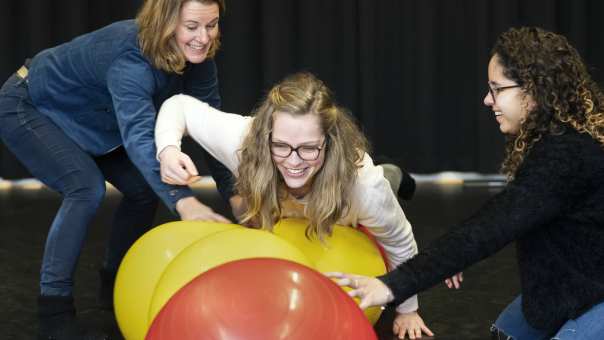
column 464, row 314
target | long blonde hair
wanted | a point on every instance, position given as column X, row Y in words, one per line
column 261, row 184
column 554, row 75
column 157, row 21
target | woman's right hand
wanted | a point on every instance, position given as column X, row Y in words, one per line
column 176, row 167
column 189, row 208
column 455, row 280
column 371, row 291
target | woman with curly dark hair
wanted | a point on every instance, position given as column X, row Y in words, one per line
column 553, row 206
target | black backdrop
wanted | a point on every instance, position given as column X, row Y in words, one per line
column 412, row 71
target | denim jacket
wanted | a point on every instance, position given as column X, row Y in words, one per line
column 103, row 93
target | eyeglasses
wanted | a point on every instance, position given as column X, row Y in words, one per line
column 494, row 91
column 305, row 152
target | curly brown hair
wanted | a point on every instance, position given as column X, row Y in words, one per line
column 553, row 74
column 259, row 181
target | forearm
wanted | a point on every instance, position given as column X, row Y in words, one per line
column 142, row 156
column 170, row 126
column 130, row 81
column 504, row 218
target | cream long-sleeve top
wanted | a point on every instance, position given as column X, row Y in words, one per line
column 374, row 205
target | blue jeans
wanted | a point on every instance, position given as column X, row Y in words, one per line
column 589, row 326
column 80, row 178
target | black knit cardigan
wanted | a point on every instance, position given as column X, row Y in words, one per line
column 554, row 210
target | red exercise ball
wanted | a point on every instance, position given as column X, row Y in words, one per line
column 264, row 299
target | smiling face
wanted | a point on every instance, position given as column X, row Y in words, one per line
column 197, row 29
column 298, row 131
column 507, row 100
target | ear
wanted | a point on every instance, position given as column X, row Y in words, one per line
column 531, row 104
column 528, row 104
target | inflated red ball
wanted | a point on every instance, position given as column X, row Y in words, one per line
column 261, row 298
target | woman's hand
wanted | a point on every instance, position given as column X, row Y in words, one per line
column 238, row 206
column 411, row 324
column 189, row 208
column 371, row 291
column 176, row 167
column 455, row 280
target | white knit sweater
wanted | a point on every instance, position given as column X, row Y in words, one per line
column 221, row 134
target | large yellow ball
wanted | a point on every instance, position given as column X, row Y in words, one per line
column 347, row 250
column 218, row 249
column 144, row 264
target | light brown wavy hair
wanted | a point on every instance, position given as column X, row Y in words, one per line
column 553, row 74
column 157, row 21
column 259, row 181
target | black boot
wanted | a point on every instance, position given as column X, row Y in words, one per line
column 105, row 297
column 407, row 188
column 57, row 320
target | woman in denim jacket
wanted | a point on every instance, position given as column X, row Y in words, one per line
column 553, row 206
column 83, row 113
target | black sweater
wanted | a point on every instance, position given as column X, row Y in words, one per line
column 554, row 209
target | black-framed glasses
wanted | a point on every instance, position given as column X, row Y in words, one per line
column 305, row 152
column 494, row 91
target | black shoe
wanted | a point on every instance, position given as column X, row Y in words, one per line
column 406, row 188
column 496, row 334
column 105, row 297
column 57, row 321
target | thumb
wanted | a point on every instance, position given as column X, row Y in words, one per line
column 365, row 302
column 189, row 166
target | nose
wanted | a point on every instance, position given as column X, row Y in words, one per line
column 203, row 36
column 294, row 159
column 488, row 99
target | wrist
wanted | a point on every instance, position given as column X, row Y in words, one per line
column 183, row 203
column 389, row 295
column 167, row 149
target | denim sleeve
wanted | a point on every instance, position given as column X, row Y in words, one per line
column 131, row 83
column 201, row 82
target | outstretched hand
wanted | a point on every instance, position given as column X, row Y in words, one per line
column 371, row 291
column 410, row 324
column 455, row 280
column 189, row 208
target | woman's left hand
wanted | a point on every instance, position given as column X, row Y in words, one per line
column 176, row 167
column 411, row 324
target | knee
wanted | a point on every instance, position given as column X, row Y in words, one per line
column 85, row 187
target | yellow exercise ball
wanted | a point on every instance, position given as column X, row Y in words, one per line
column 217, row 249
column 347, row 250
column 143, row 265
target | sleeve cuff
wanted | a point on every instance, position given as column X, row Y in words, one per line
column 176, row 194
column 161, row 145
column 410, row 305
column 401, row 283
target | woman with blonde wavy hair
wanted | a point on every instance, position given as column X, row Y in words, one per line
column 552, row 113
column 83, row 112
column 299, row 155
